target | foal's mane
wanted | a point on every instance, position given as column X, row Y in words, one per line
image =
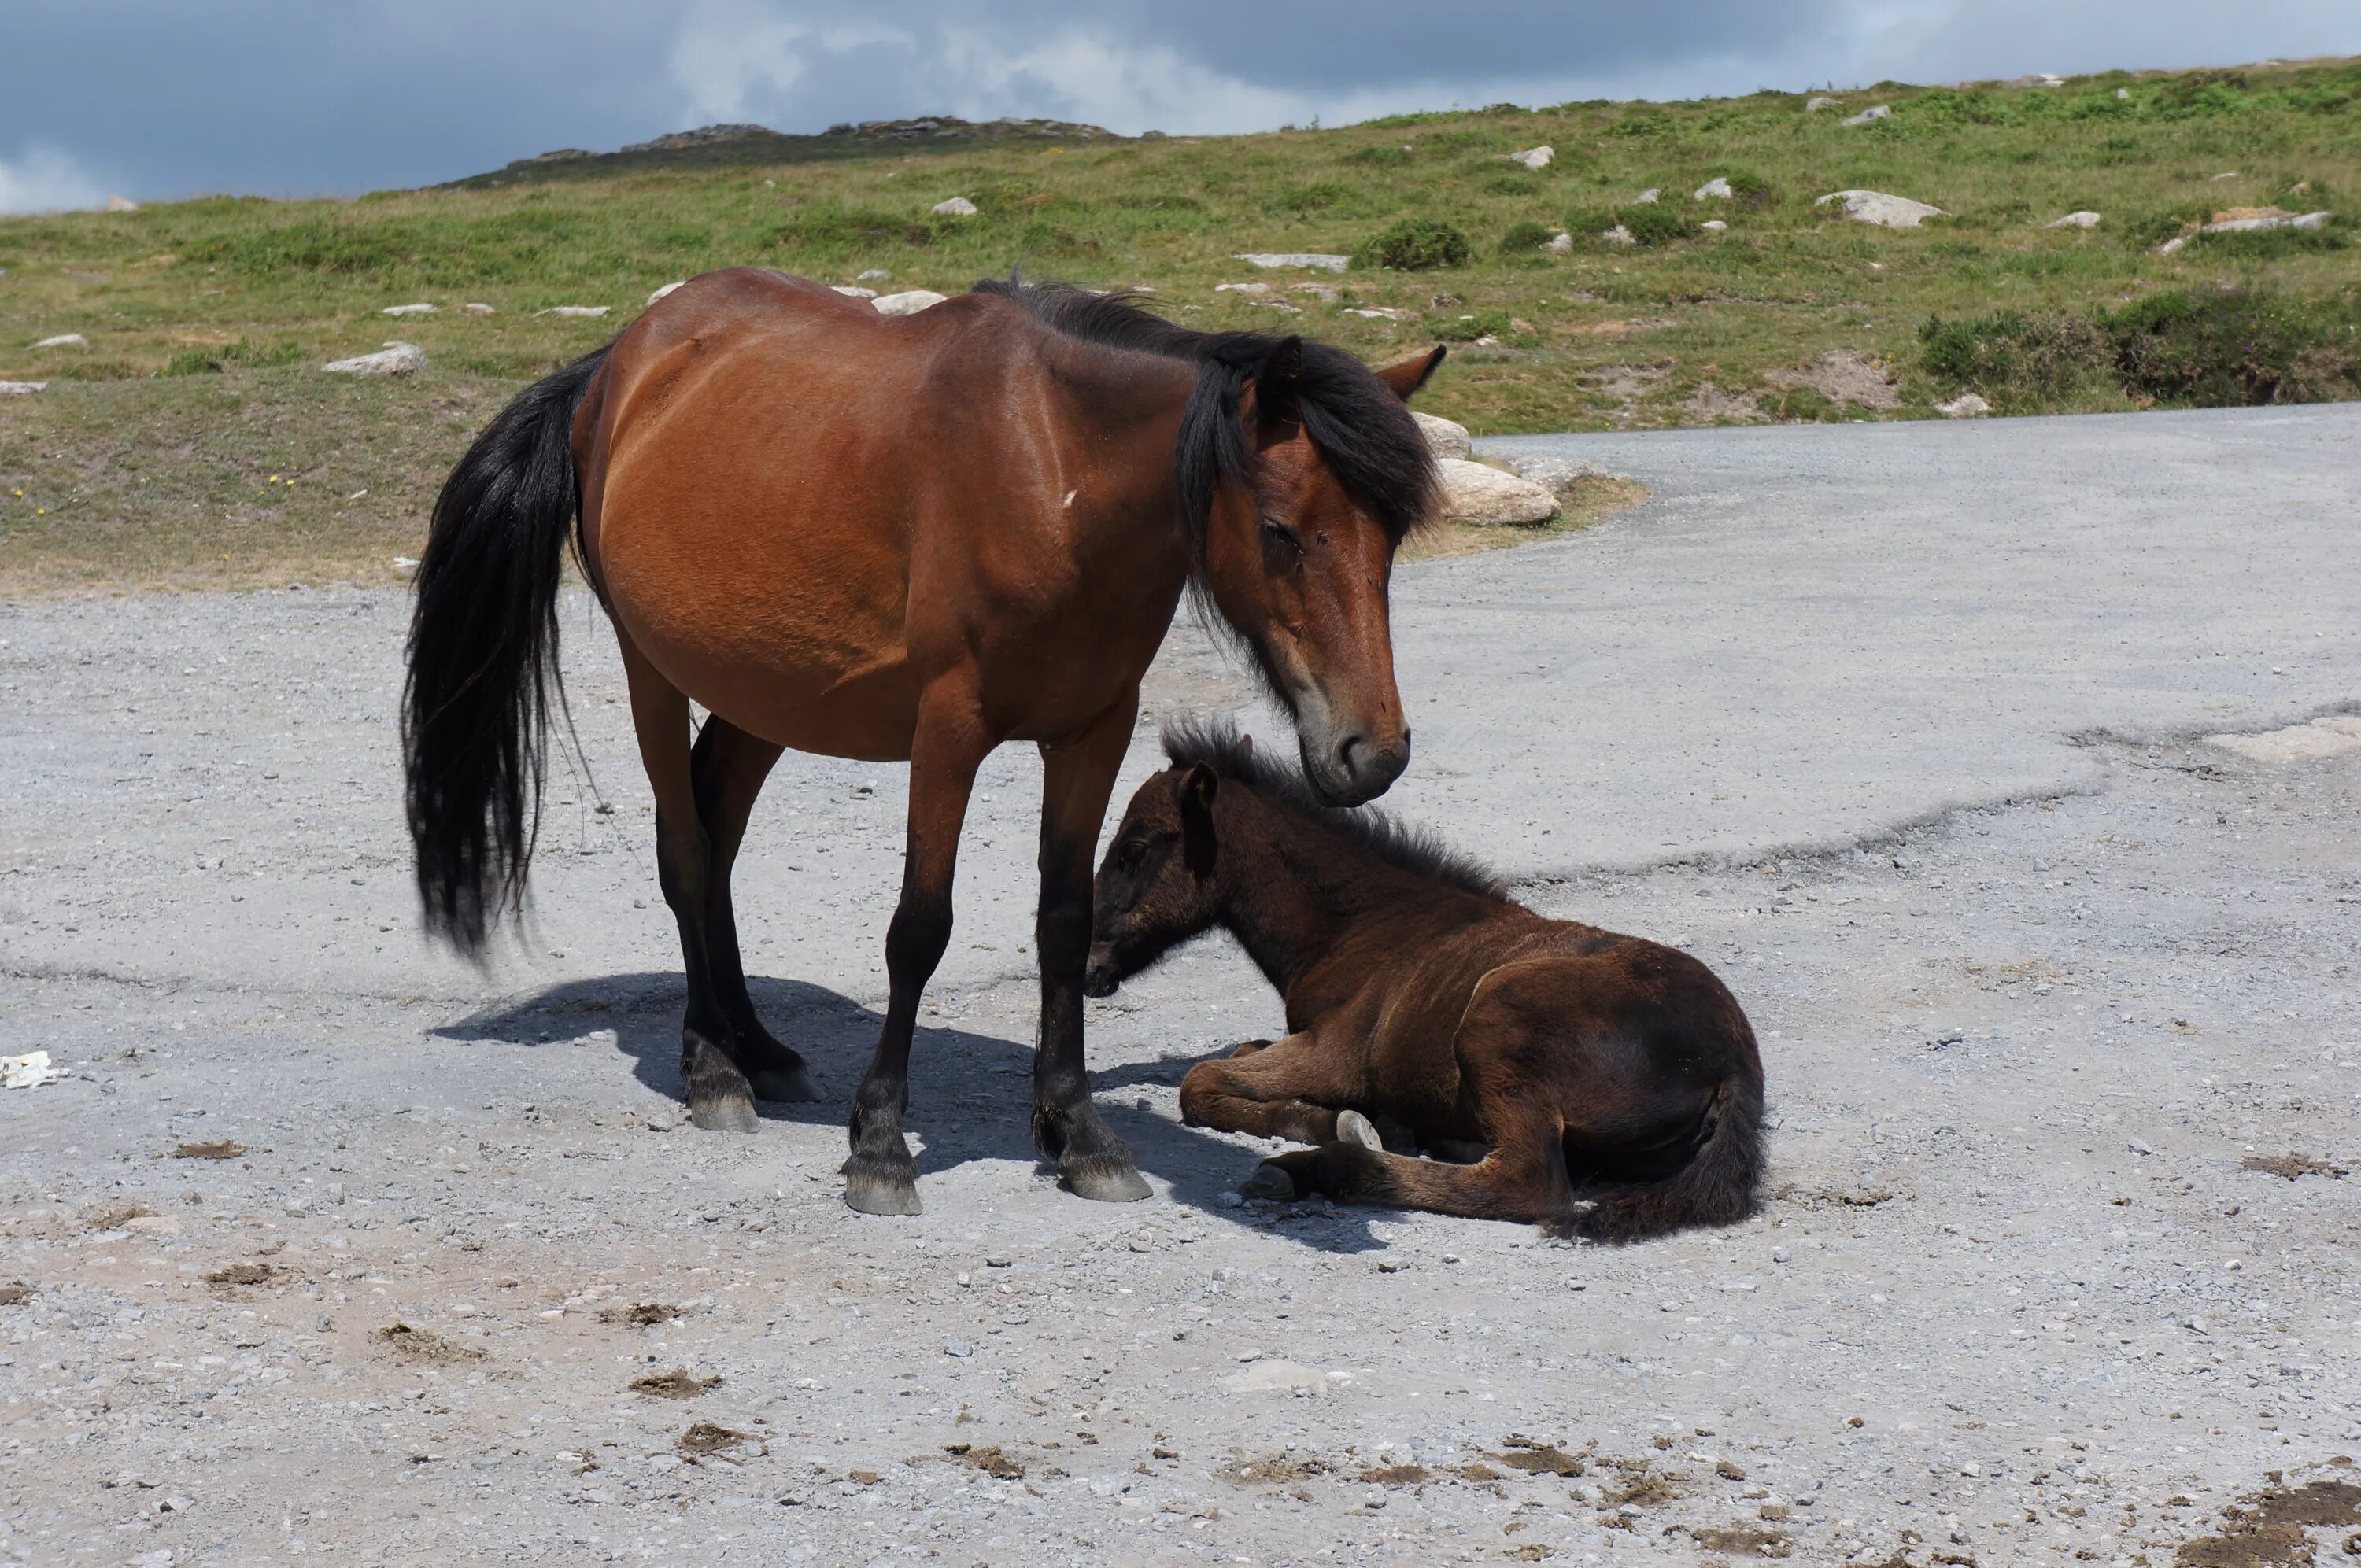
column 1361, row 430
column 1219, row 747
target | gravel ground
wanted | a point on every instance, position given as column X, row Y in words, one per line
column 330, row 1246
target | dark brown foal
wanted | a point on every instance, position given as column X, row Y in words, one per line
column 1555, row 1056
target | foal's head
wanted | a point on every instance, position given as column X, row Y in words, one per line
column 1303, row 477
column 1156, row 888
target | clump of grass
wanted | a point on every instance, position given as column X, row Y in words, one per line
column 2017, row 361
column 1652, row 224
column 1524, row 236
column 1414, row 245
column 244, row 353
column 1468, row 328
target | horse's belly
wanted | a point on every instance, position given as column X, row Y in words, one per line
column 764, row 624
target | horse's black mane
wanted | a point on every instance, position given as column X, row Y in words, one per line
column 1363, row 431
column 1231, row 755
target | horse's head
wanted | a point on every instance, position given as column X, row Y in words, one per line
column 1326, row 472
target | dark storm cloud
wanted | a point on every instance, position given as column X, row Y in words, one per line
column 158, row 99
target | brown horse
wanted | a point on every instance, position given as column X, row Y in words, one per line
column 887, row 538
column 1550, row 1053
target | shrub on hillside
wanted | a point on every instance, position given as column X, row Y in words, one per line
column 2017, row 360
column 1414, row 245
column 2212, row 348
column 1654, row 223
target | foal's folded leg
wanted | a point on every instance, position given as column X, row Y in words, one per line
column 1287, row 1089
column 1522, row 1176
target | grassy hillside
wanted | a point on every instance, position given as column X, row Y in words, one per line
column 153, row 450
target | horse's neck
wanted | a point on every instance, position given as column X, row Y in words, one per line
column 1292, row 891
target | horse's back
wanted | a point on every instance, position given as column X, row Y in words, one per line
column 752, row 470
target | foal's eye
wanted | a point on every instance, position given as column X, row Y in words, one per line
column 1130, row 853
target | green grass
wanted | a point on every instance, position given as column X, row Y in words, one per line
column 207, row 318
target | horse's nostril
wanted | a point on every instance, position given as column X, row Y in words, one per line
column 1348, row 751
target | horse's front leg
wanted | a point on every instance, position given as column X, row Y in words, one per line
column 881, row 1177
column 1078, row 772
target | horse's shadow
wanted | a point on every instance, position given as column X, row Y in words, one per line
column 971, row 1094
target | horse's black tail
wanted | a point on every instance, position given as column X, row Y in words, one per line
column 483, row 657
column 1716, row 1187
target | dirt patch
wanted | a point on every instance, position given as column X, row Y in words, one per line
column 1274, row 1471
column 1711, row 405
column 1737, row 1540
column 2268, row 1529
column 1642, row 1486
column 680, row 1382
column 2291, row 1165
column 241, row 1274
column 114, row 1219
column 15, row 1295
column 1397, row 1476
column 990, row 1458
column 424, row 1345
column 1831, row 1198
column 706, row 1437
column 221, row 1149
column 1844, row 376
column 645, row 1315
column 1540, row 1459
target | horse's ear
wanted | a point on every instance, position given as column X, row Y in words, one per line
column 1198, row 787
column 1275, row 396
column 1408, row 376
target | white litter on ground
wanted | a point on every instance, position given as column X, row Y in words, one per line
column 29, row 1071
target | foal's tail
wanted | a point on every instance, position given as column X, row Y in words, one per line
column 1716, row 1187
column 483, row 657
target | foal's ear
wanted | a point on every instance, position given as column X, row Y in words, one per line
column 1408, row 376
column 1274, row 397
column 1198, row 787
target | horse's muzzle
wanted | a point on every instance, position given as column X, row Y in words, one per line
column 1098, row 976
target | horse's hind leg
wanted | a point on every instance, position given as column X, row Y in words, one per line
column 1522, row 1176
column 719, row 1098
column 727, row 768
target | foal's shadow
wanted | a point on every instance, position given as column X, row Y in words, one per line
column 971, row 1094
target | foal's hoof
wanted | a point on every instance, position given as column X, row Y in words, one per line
column 724, row 1113
column 790, row 1083
column 1352, row 1127
column 1106, row 1184
column 1269, row 1181
column 879, row 1192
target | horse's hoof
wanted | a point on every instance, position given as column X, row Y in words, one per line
column 1101, row 1184
column 1269, row 1181
column 789, row 1084
column 869, row 1193
column 724, row 1113
column 1352, row 1127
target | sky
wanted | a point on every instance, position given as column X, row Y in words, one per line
column 156, row 99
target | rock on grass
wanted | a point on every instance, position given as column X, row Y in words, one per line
column 1484, row 496
column 393, row 359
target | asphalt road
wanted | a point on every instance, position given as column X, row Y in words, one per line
column 1900, row 727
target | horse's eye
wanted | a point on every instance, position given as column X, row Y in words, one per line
column 1130, row 853
column 1280, row 538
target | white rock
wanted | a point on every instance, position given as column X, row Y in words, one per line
column 477, row 307
column 1967, row 405
column 2081, row 220
column 64, row 340
column 1877, row 207
column 2125, row 93
column 856, row 291
column 1619, row 235
column 660, row 293
column 2176, row 243
column 1319, row 261
column 1645, row 197
column 1445, row 438
column 875, row 275
column 1875, row 111
column 574, row 310
column 20, row 388
column 1814, row 105
column 1560, row 244
column 1486, row 497
column 2228, row 174
column 1717, row 186
column 909, row 304
column 420, row 310
column 1242, row 287
column 1713, row 226
column 957, row 207
column 1558, row 474
column 2309, row 221
column 1534, row 156
column 121, row 204
column 393, row 359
